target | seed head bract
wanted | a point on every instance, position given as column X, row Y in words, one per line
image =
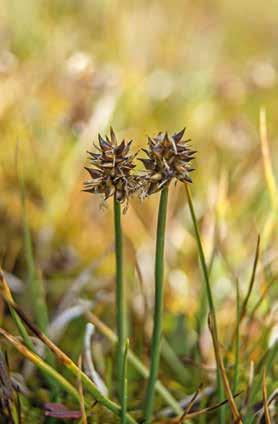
column 111, row 168
column 168, row 157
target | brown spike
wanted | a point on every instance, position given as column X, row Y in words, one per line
column 104, row 145
column 178, row 135
column 113, row 137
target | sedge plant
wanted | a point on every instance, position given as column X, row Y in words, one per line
column 111, row 176
column 168, row 157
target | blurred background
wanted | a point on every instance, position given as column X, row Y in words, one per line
column 69, row 70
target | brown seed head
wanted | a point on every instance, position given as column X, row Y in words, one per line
column 169, row 156
column 111, row 171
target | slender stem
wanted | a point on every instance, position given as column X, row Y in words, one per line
column 236, row 369
column 120, row 297
column 201, row 253
column 158, row 308
column 124, row 378
column 212, row 317
column 204, row 267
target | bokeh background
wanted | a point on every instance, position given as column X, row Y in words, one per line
column 70, row 69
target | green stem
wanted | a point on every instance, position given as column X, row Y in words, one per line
column 237, row 339
column 35, row 284
column 158, row 308
column 120, row 297
column 124, row 378
column 174, row 362
column 208, row 293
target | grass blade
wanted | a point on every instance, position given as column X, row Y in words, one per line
column 237, row 340
column 220, row 365
column 43, row 366
column 266, row 409
column 252, row 280
column 71, row 366
column 81, row 394
column 18, row 322
column 212, row 315
column 207, row 287
column 207, row 410
column 173, row 361
column 35, row 282
column 191, row 403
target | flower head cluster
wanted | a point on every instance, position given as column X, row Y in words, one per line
column 111, row 171
column 168, row 157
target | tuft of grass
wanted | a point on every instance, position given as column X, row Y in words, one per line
column 41, row 365
column 70, row 365
column 137, row 364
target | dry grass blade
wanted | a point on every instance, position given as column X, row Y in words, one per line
column 88, row 361
column 191, row 403
column 220, row 364
column 6, row 388
column 252, row 280
column 7, row 294
column 81, row 394
column 70, row 365
column 261, row 299
column 33, row 357
column 272, row 398
column 266, row 409
column 8, row 404
column 206, row 410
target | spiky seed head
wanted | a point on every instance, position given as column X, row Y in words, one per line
column 111, row 169
column 168, row 157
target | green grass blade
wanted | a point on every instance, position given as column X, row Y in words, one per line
column 220, row 392
column 173, row 361
column 237, row 340
column 35, row 283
